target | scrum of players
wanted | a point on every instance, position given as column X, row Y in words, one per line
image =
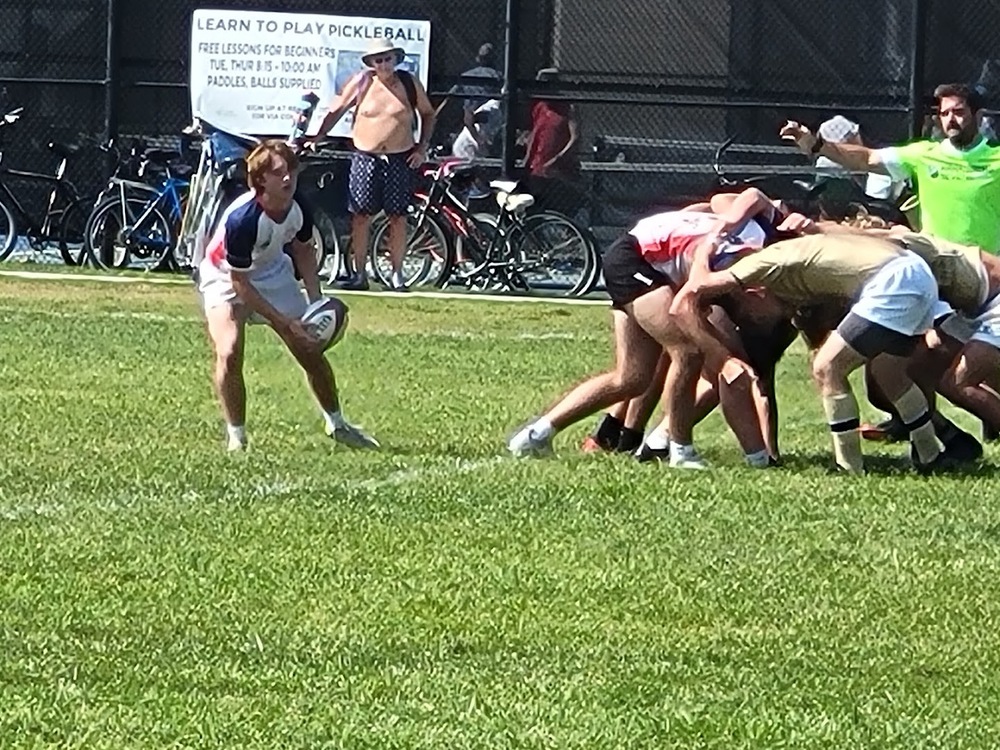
column 706, row 299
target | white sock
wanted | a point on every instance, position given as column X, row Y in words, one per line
column 658, row 440
column 758, row 460
column 542, row 429
column 237, row 432
column 680, row 451
column 333, row 419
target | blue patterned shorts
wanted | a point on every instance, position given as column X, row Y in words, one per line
column 380, row 182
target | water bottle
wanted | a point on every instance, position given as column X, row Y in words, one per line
column 303, row 114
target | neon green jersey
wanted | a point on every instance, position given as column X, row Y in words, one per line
column 959, row 191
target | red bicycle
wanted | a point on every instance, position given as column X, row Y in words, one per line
column 448, row 244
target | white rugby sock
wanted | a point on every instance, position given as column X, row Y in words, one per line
column 236, row 432
column 658, row 440
column 543, row 429
column 843, row 418
column 912, row 409
column 333, row 419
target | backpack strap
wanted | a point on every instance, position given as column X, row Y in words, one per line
column 411, row 88
column 367, row 76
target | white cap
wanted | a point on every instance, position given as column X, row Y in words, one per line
column 838, row 128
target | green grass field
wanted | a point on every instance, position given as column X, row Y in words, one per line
column 157, row 592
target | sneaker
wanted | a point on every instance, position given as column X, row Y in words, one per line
column 889, row 431
column 629, row 441
column 590, row 445
column 236, row 445
column 353, row 437
column 693, row 461
column 397, row 283
column 942, row 463
column 355, row 283
column 964, row 448
column 525, row 443
column 646, row 454
column 605, row 437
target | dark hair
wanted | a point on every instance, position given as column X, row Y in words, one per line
column 960, row 91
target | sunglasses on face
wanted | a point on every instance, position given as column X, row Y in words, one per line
column 384, row 59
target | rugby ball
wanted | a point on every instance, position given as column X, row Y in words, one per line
column 326, row 318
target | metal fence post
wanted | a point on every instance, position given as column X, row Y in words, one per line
column 111, row 80
column 919, row 47
column 511, row 34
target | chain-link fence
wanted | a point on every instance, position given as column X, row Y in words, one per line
column 654, row 87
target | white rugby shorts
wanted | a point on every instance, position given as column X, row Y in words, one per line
column 902, row 296
column 277, row 285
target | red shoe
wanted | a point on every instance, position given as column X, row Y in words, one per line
column 889, row 431
column 590, row 445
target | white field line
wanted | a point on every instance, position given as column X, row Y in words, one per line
column 70, row 277
column 7, row 310
column 267, row 490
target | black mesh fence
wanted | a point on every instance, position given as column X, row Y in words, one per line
column 654, row 88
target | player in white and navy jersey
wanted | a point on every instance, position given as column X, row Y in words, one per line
column 248, row 274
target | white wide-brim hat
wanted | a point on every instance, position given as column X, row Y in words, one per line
column 380, row 47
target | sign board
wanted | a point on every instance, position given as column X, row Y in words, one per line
column 249, row 69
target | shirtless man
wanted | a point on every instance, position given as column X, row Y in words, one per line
column 387, row 154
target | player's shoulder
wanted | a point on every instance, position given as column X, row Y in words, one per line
column 244, row 212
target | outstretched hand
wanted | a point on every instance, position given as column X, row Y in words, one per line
column 799, row 134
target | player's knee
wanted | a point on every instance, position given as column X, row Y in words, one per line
column 630, row 382
column 228, row 357
column 825, row 372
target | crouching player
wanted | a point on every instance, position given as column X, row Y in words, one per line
column 642, row 271
column 247, row 276
column 892, row 295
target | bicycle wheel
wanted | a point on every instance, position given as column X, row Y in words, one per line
column 469, row 261
column 72, row 231
column 428, row 256
column 8, row 232
column 327, row 245
column 552, row 254
column 114, row 243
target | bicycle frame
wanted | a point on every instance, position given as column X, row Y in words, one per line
column 60, row 188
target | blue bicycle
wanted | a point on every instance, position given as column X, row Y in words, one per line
column 135, row 225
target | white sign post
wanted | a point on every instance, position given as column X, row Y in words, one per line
column 249, row 69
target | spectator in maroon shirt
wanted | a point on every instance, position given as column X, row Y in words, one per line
column 553, row 137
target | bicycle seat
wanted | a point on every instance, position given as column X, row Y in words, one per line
column 65, row 150
column 515, row 202
column 161, row 157
column 506, row 186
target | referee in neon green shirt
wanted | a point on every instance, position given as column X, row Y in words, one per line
column 957, row 179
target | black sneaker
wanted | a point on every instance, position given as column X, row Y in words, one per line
column 646, row 454
column 629, row 441
column 941, row 464
column 605, row 437
column 963, row 448
column 356, row 283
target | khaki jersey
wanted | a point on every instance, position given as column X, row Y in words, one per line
column 959, row 270
column 816, row 268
